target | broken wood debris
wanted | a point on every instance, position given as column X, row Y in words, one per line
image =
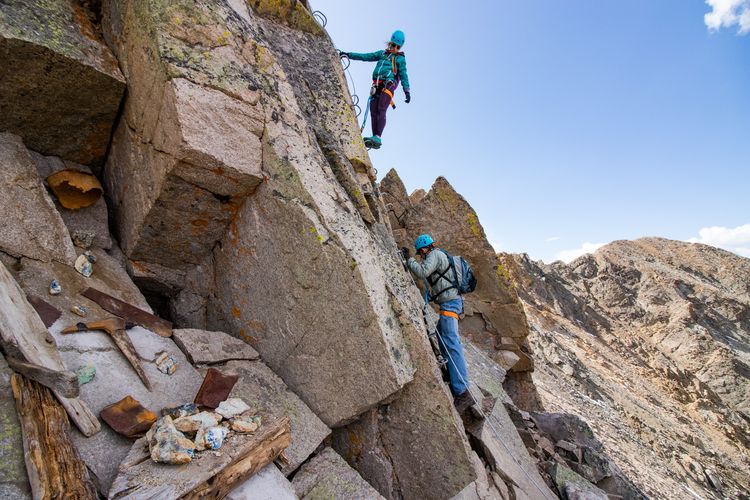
column 22, row 331
column 64, row 383
column 130, row 313
column 208, row 475
column 52, row 461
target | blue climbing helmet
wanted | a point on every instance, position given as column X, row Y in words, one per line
column 422, row 241
column 398, row 38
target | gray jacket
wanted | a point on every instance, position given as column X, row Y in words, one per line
column 436, row 262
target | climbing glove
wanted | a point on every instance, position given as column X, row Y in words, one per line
column 408, row 96
column 343, row 54
column 405, row 253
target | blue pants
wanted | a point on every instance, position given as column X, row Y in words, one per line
column 451, row 348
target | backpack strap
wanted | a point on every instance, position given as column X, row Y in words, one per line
column 393, row 56
column 441, row 275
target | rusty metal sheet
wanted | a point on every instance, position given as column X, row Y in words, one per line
column 215, row 388
column 124, row 310
column 44, row 309
column 128, row 417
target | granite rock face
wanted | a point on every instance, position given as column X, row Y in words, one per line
column 30, row 226
column 92, row 219
column 303, row 267
column 268, row 484
column 494, row 318
column 409, row 460
column 327, row 475
column 209, row 348
column 644, row 340
column 60, row 86
column 508, row 467
column 220, row 158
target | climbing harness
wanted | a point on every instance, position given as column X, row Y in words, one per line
column 435, row 337
column 450, row 314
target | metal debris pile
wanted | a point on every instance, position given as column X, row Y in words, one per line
column 180, row 432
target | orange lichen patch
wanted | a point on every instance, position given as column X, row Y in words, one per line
column 234, row 232
column 94, row 146
column 232, row 206
column 355, row 450
column 198, row 225
column 257, row 326
column 247, row 337
column 138, row 266
column 75, row 189
column 84, row 23
column 236, row 312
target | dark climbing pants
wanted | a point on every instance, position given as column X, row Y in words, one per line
column 378, row 108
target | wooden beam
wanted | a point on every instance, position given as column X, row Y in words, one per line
column 64, row 383
column 52, row 461
column 24, row 336
column 208, row 475
column 278, row 438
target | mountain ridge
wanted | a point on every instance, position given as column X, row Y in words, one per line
column 670, row 322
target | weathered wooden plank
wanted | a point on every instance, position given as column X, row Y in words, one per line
column 54, row 467
column 64, row 383
column 208, row 475
column 23, row 331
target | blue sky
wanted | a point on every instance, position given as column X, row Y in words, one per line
column 567, row 123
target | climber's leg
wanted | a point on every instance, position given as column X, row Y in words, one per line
column 376, row 115
column 381, row 102
column 453, row 352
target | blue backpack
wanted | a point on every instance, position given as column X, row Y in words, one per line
column 463, row 277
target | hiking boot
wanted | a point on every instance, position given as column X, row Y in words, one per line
column 373, row 142
column 463, row 401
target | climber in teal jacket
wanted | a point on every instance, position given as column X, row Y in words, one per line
column 389, row 71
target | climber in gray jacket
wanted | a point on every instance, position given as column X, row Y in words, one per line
column 435, row 269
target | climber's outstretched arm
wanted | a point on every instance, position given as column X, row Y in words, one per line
column 367, row 56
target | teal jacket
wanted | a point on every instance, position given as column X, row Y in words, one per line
column 384, row 68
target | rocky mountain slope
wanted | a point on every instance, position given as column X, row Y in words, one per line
column 200, row 160
column 649, row 341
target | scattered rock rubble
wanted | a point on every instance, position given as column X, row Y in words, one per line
column 643, row 339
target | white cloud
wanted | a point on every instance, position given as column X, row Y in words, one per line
column 727, row 13
column 734, row 239
column 569, row 255
column 552, row 238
